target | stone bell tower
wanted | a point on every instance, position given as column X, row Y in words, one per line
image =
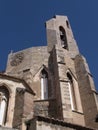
column 59, row 33
column 56, row 89
column 74, row 87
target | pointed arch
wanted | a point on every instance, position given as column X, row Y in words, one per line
column 6, row 86
column 71, row 91
column 63, row 37
column 4, row 99
column 75, row 99
column 44, row 84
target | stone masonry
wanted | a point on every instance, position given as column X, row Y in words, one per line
column 49, row 87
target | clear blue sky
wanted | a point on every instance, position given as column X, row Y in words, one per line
column 22, row 25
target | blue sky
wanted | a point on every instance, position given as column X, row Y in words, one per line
column 22, row 25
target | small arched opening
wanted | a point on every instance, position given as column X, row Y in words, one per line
column 63, row 37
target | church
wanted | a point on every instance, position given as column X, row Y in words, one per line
column 49, row 87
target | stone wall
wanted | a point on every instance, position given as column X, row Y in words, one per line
column 18, row 110
column 29, row 59
column 43, row 123
column 23, row 107
column 28, row 105
column 87, row 92
column 46, row 108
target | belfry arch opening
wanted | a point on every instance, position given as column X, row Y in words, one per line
column 4, row 99
column 63, row 37
column 44, row 84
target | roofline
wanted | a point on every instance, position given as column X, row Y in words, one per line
column 59, row 122
column 28, row 89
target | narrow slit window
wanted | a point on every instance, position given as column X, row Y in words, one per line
column 67, row 23
column 44, row 84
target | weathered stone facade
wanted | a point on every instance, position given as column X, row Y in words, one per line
column 49, row 87
column 42, row 123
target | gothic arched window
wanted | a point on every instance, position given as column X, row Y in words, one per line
column 44, row 84
column 4, row 98
column 63, row 37
column 71, row 91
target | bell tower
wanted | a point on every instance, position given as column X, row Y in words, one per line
column 74, row 86
column 59, row 33
column 49, row 84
